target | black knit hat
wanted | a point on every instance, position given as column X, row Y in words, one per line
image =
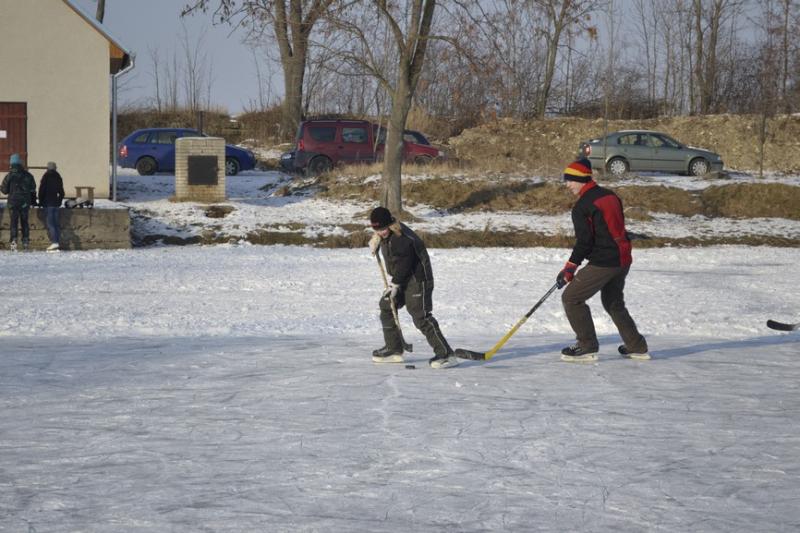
column 380, row 218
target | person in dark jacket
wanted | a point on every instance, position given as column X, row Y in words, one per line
column 51, row 194
column 20, row 187
column 600, row 237
column 408, row 264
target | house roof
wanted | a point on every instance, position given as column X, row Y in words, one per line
column 119, row 56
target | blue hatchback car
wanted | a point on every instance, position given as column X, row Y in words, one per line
column 153, row 150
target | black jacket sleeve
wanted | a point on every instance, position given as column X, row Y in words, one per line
column 60, row 190
column 584, row 237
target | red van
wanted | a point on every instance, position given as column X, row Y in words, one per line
column 323, row 144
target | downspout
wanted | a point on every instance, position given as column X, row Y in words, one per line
column 114, row 125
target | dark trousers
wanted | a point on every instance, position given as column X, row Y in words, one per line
column 417, row 298
column 20, row 214
column 51, row 215
column 610, row 282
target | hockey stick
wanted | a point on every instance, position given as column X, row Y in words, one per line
column 406, row 346
column 781, row 326
column 485, row 356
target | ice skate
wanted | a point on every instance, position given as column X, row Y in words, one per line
column 578, row 354
column 639, row 356
column 445, row 361
column 387, row 355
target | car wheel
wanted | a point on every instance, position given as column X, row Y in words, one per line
column 617, row 166
column 423, row 160
column 698, row 167
column 231, row 166
column 319, row 165
column 146, row 166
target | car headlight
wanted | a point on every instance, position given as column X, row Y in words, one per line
column 441, row 154
column 286, row 156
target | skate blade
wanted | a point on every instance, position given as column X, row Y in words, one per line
column 637, row 356
column 388, row 359
column 450, row 362
column 586, row 358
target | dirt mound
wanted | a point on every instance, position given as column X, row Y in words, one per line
column 545, row 146
column 751, row 200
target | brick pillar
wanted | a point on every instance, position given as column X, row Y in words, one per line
column 198, row 187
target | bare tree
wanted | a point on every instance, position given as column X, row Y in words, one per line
column 197, row 70
column 155, row 60
column 264, row 98
column 710, row 18
column 648, row 28
column 172, row 73
column 562, row 16
column 408, row 23
column 290, row 22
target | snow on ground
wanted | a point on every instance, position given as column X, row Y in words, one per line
column 230, row 388
column 251, row 193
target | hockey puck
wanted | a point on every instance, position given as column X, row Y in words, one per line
column 410, row 367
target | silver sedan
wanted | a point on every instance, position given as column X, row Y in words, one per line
column 643, row 150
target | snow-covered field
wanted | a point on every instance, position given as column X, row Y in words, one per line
column 230, row 388
column 256, row 206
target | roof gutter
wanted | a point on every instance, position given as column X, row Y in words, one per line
column 114, row 151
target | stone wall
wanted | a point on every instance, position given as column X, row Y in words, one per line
column 81, row 229
column 185, row 190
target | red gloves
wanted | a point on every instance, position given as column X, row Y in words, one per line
column 566, row 274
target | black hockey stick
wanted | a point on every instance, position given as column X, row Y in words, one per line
column 406, row 346
column 485, row 356
column 781, row 326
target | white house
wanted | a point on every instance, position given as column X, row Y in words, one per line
column 56, row 63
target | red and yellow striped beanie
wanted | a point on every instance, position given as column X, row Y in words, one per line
column 580, row 170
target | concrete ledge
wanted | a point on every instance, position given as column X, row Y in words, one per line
column 81, row 229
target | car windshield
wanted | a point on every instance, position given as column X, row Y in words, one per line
column 380, row 137
column 415, row 137
column 666, row 141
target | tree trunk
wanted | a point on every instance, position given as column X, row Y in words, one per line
column 550, row 68
column 785, row 51
column 698, row 51
column 292, row 109
column 411, row 50
column 391, row 196
column 709, row 95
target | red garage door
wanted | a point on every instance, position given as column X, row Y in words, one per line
column 13, row 132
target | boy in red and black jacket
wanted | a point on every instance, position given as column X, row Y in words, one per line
column 600, row 237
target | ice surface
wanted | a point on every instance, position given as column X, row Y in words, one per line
column 230, row 388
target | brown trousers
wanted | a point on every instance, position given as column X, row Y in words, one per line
column 610, row 281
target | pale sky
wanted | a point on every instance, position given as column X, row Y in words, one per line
column 140, row 24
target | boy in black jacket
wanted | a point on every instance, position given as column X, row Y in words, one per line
column 51, row 194
column 600, row 237
column 409, row 266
